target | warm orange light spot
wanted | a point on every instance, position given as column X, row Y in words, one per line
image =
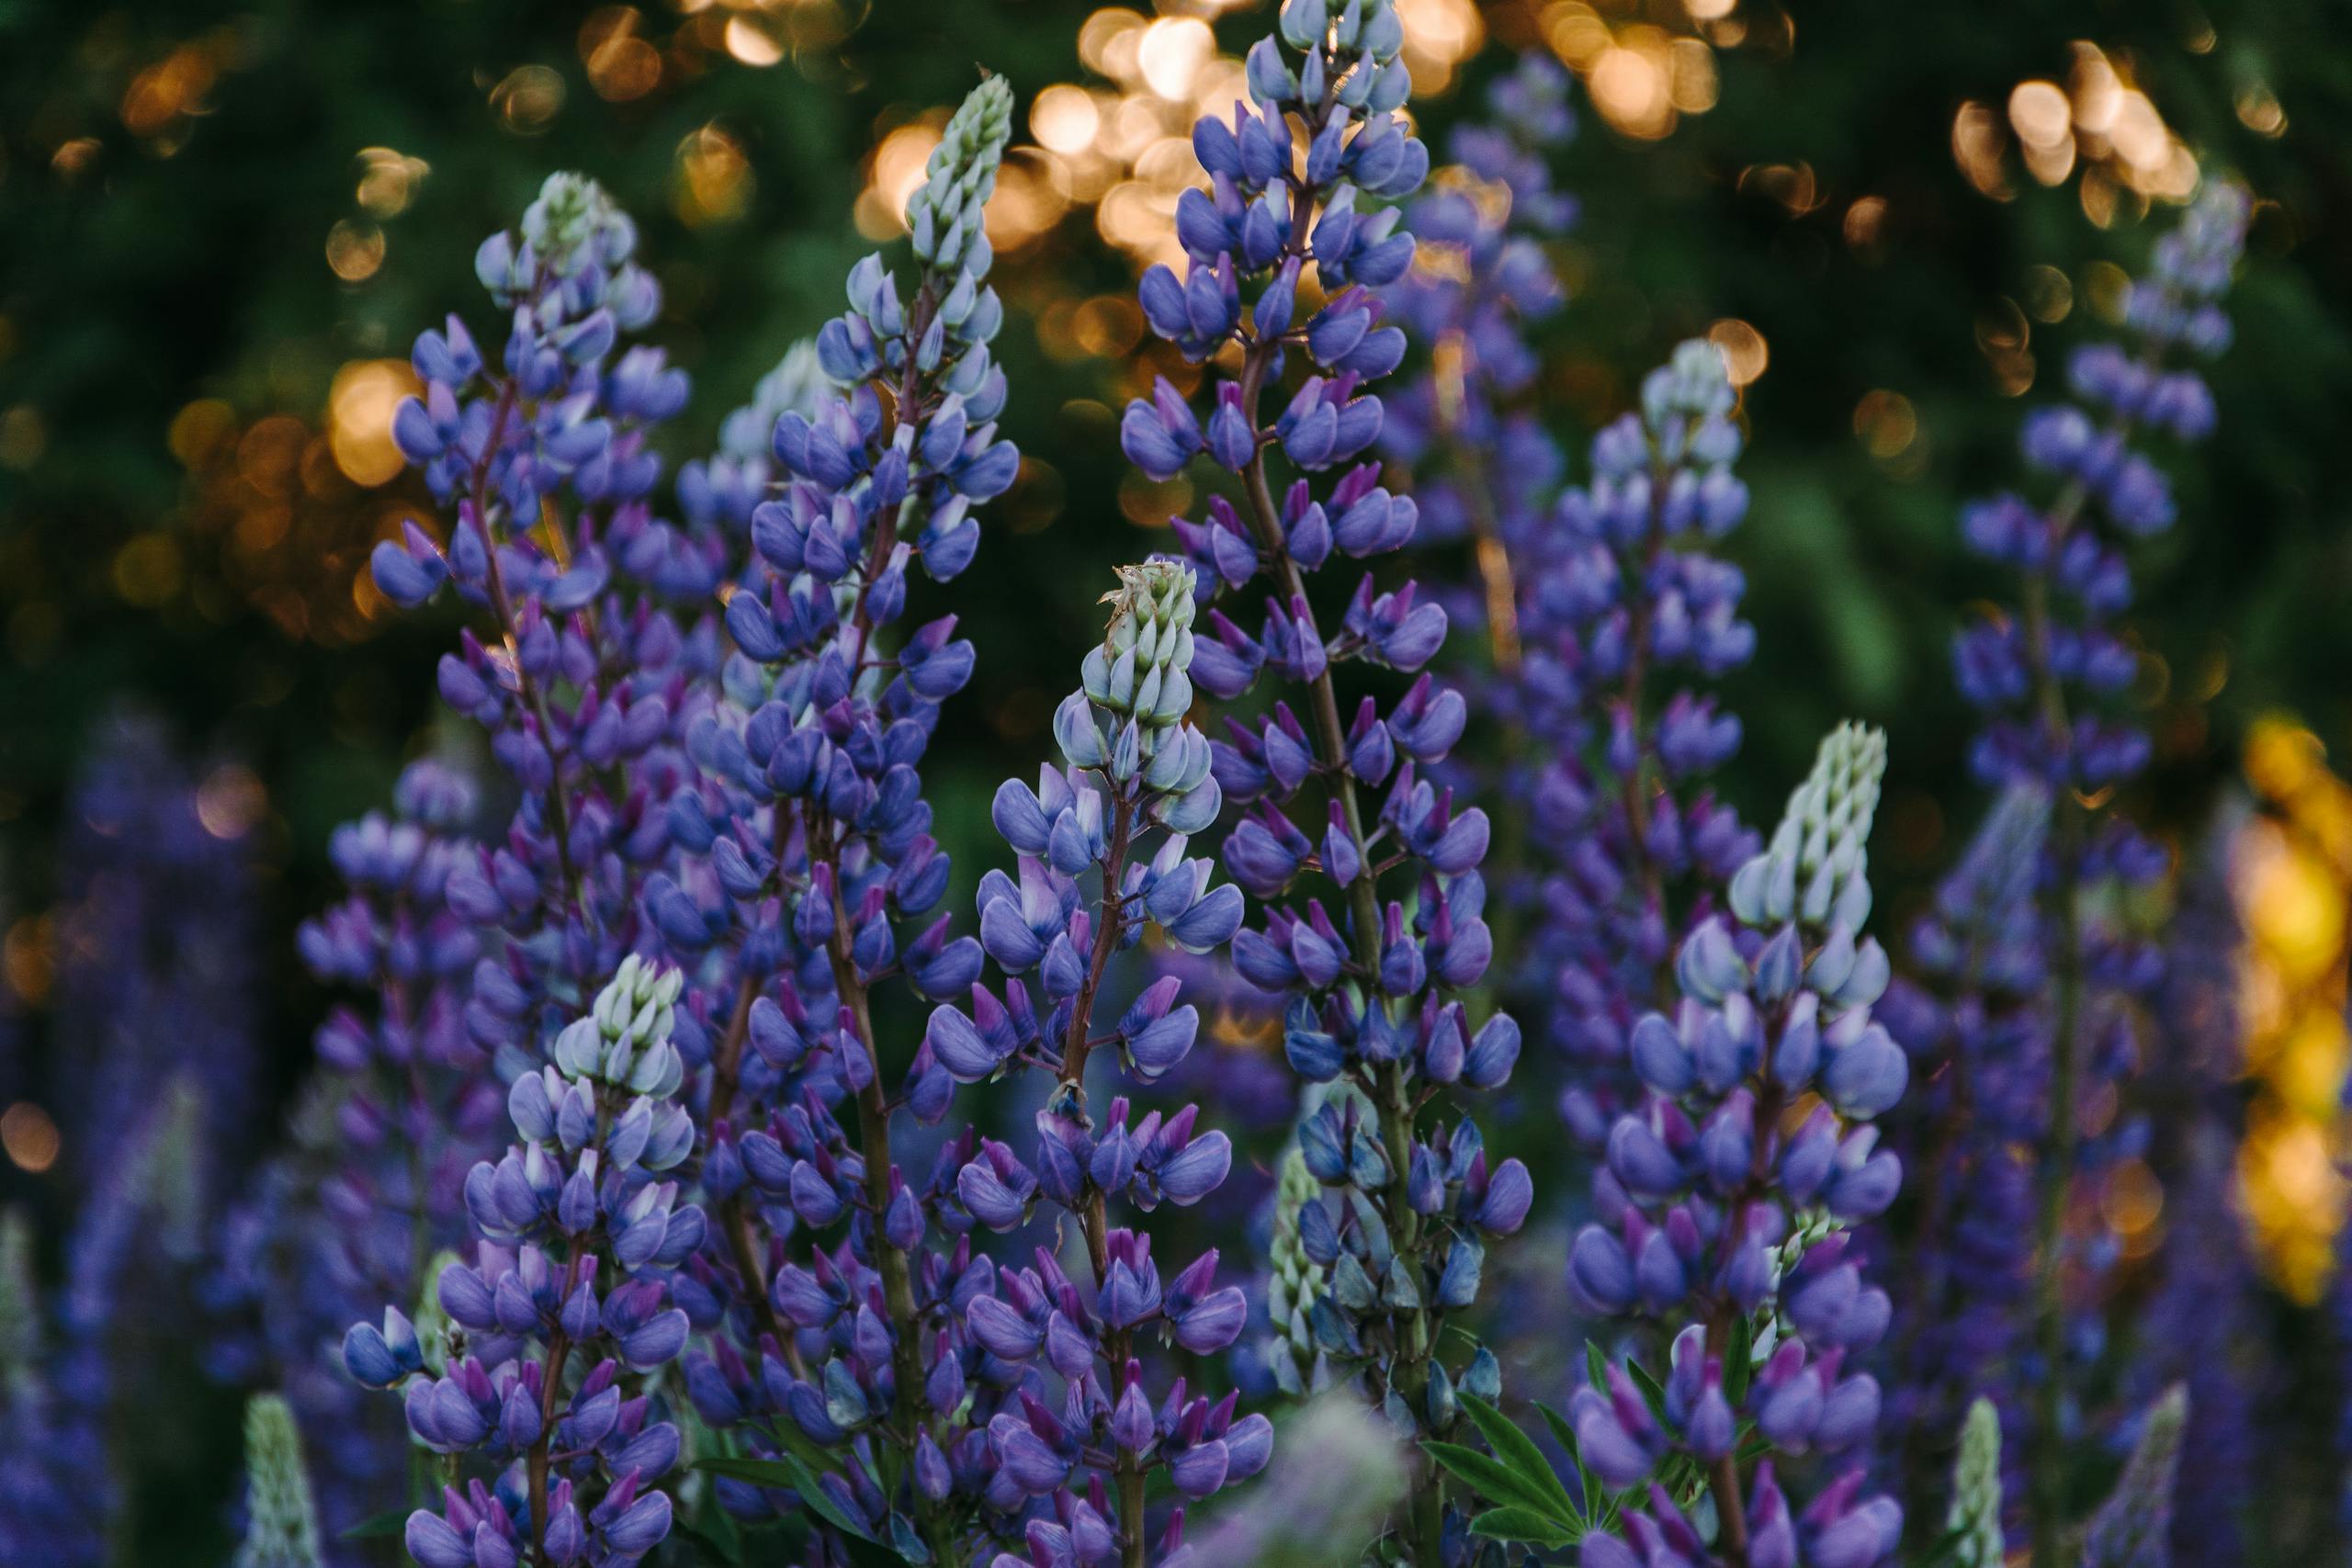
column 1744, row 350
column 528, row 99
column 1064, row 118
column 713, row 183
column 360, row 403
column 355, row 250
column 1887, row 423
column 30, row 1137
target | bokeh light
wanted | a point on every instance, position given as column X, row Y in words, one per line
column 2293, row 877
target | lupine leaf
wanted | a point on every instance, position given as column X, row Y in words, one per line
column 378, row 1526
column 1493, row 1478
column 1515, row 1449
column 1525, row 1524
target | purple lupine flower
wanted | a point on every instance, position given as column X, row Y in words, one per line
column 1971, row 1004
column 1373, row 981
column 1617, row 595
column 2050, row 681
column 400, row 1104
column 1137, row 783
column 542, row 454
column 1717, row 1213
column 1482, row 467
column 580, row 1233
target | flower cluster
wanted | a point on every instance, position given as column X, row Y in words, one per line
column 804, row 845
column 402, row 1103
column 1373, row 984
column 2050, row 681
column 1618, row 596
column 1719, row 1211
column 583, row 686
column 1137, row 771
column 1968, row 1014
column 566, row 1308
column 1483, row 464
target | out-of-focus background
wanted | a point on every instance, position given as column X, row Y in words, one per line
column 221, row 225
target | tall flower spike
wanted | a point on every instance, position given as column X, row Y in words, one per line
column 1719, row 1214
column 281, row 1523
column 805, row 855
column 1137, row 771
column 1375, row 984
column 2051, row 680
column 1972, row 1004
column 595, row 611
column 567, row 1310
column 2133, row 1528
column 1619, row 599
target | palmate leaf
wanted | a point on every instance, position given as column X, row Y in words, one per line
column 1497, row 1481
column 1517, row 1450
column 1524, row 1525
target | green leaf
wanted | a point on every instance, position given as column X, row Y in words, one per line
column 1515, row 1449
column 1596, row 1366
column 1739, row 1362
column 1652, row 1393
column 378, row 1526
column 1523, row 1524
column 1495, row 1480
column 791, row 1473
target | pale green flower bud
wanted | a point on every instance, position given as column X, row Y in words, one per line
column 281, row 1523
column 1974, row 1525
column 943, row 214
column 573, row 220
column 1140, row 669
column 1815, row 868
column 625, row 1039
column 2133, row 1526
column 19, row 1304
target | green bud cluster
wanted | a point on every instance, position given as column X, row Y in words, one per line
column 281, row 1522
column 1370, row 28
column 1127, row 716
column 573, row 214
column 943, row 214
column 2133, row 1526
column 1816, row 867
column 1974, row 1525
column 625, row 1039
column 20, row 1334
column 1138, row 672
column 1294, row 1282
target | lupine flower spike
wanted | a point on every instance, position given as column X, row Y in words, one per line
column 1375, row 982
column 1731, row 1224
column 281, row 1523
column 2051, row 680
column 565, row 1309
